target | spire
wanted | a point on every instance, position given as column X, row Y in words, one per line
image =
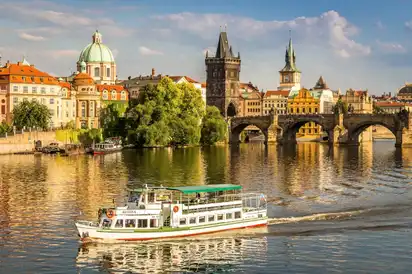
column 321, row 84
column 223, row 48
column 290, row 56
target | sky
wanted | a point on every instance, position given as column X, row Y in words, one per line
column 352, row 44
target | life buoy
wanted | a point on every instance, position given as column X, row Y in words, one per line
column 175, row 209
column 110, row 213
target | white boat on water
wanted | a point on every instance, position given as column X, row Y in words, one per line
column 167, row 212
column 108, row 146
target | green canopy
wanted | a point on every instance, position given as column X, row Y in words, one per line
column 205, row 188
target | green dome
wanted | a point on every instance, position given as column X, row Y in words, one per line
column 96, row 51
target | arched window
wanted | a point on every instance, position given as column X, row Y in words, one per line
column 114, row 97
column 108, row 72
column 91, row 109
column 83, row 109
column 123, row 95
column 96, row 72
column 105, row 95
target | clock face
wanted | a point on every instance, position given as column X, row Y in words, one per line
column 286, row 78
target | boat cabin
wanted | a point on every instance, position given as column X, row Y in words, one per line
column 185, row 206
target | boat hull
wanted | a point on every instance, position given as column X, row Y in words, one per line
column 102, row 152
column 90, row 233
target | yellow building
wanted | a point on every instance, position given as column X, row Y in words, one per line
column 358, row 100
column 304, row 101
column 276, row 99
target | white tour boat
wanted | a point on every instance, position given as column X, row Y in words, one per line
column 168, row 212
column 106, row 147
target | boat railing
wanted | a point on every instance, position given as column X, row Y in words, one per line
column 88, row 223
column 254, row 201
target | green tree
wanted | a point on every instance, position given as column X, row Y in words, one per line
column 110, row 122
column 87, row 137
column 31, row 115
column 4, row 128
column 340, row 107
column 214, row 127
column 166, row 114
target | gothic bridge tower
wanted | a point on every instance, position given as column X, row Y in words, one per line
column 222, row 78
column 290, row 74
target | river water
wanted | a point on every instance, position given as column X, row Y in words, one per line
column 342, row 209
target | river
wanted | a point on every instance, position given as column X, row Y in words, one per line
column 342, row 209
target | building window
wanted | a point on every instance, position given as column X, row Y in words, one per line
column 41, row 79
column 51, row 101
column 67, row 104
column 105, row 96
column 15, row 88
column 51, row 90
column 58, row 111
column 108, row 72
column 23, row 78
column 83, row 109
column 123, row 95
column 316, row 110
column 43, row 90
column 43, row 100
column 67, row 114
column 113, row 95
column 91, row 109
column 3, row 109
column 25, row 89
column 96, row 72
column 34, row 89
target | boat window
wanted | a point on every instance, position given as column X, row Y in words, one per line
column 119, row 223
column 228, row 216
column 182, row 221
column 192, row 220
column 142, row 223
column 238, row 215
column 153, row 223
column 202, row 219
column 134, row 197
column 106, row 223
column 211, row 218
column 130, row 223
column 151, row 197
column 219, row 217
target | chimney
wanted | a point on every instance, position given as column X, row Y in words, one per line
column 153, row 72
column 390, row 94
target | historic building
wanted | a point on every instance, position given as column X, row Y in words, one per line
column 358, row 101
column 250, row 100
column 394, row 107
column 68, row 99
column 133, row 85
column 289, row 75
column 276, row 99
column 222, row 78
column 114, row 94
column 405, row 92
column 98, row 61
column 319, row 99
column 23, row 81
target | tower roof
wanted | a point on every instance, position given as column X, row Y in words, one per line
column 224, row 50
column 321, row 84
column 290, row 58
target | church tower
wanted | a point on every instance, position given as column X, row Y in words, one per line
column 290, row 74
column 222, row 78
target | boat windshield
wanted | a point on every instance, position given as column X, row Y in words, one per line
column 134, row 197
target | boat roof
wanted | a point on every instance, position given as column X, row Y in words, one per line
column 205, row 188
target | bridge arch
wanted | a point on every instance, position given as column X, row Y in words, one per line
column 237, row 130
column 354, row 133
column 292, row 128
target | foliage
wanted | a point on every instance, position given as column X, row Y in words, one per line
column 31, row 115
column 69, row 136
column 214, row 127
column 4, row 128
column 87, row 137
column 340, row 107
column 165, row 114
column 377, row 109
column 70, row 125
column 112, row 123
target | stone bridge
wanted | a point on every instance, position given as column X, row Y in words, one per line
column 341, row 129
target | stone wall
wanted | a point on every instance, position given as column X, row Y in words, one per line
column 25, row 142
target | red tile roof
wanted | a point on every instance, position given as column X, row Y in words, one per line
column 109, row 87
column 203, row 85
column 65, row 85
column 284, row 93
column 20, row 73
column 392, row 104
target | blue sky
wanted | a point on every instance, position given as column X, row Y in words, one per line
column 353, row 44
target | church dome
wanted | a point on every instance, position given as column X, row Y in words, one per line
column 96, row 51
column 407, row 89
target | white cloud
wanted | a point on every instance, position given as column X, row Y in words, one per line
column 329, row 27
column 29, row 37
column 146, row 51
column 380, row 25
column 391, row 47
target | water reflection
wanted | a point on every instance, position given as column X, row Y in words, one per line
column 202, row 254
column 42, row 196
